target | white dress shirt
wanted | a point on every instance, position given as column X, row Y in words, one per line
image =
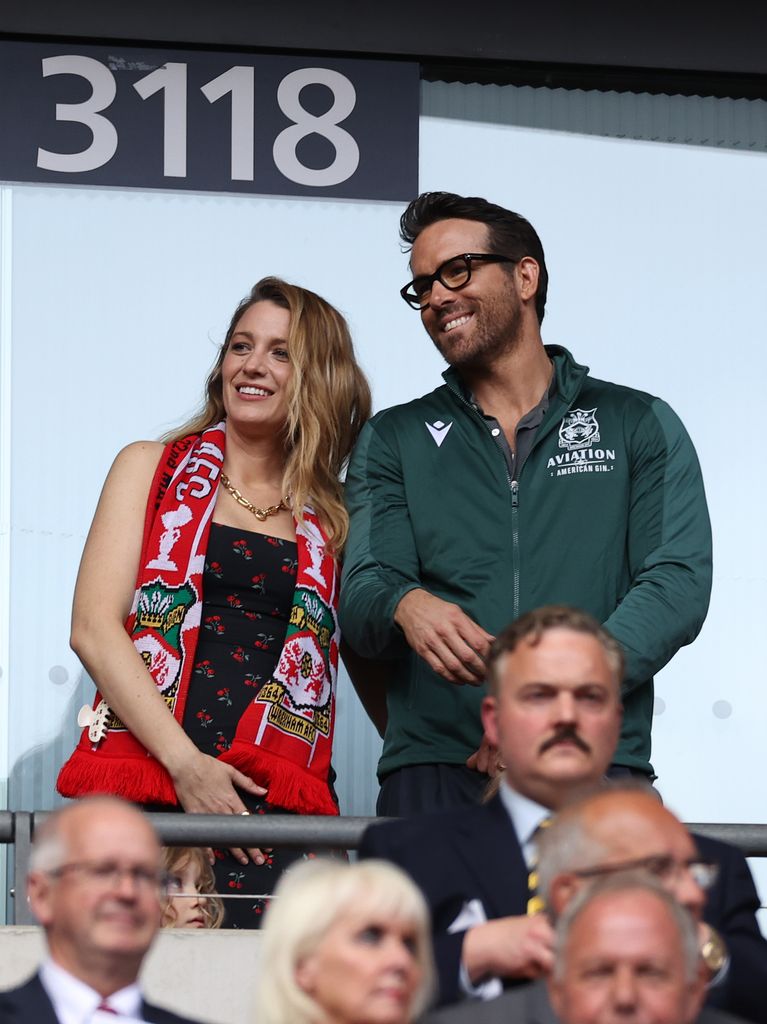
column 74, row 1002
column 525, row 816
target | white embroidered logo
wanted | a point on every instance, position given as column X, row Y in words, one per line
column 579, row 429
column 438, row 431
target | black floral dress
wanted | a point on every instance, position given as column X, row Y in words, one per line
column 248, row 586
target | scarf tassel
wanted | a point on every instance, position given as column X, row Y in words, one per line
column 138, row 779
column 287, row 784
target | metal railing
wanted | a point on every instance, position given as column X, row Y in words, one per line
column 319, row 832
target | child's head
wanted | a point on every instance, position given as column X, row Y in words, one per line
column 191, row 901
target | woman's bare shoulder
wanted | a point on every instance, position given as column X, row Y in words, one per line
column 139, row 455
column 135, row 464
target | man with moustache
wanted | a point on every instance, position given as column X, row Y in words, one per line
column 94, row 885
column 520, row 481
column 553, row 710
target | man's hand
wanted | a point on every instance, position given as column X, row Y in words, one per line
column 486, row 759
column 451, row 643
column 509, row 947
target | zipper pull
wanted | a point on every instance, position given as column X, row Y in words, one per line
column 514, row 493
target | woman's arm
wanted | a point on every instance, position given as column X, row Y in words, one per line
column 103, row 597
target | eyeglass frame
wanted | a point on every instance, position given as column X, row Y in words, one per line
column 658, row 865
column 108, row 874
column 467, row 257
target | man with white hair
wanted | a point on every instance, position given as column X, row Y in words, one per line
column 94, row 884
column 627, row 951
column 624, row 827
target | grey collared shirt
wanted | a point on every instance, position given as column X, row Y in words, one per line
column 526, row 429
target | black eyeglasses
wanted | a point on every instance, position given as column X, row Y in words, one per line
column 453, row 274
column 108, row 875
column 662, row 866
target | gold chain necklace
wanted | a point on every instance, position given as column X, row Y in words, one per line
column 261, row 514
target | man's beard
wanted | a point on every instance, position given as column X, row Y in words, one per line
column 495, row 332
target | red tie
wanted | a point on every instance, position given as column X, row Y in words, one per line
column 106, row 1008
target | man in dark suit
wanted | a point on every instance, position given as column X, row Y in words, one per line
column 626, row 950
column 625, row 827
column 552, row 710
column 94, row 885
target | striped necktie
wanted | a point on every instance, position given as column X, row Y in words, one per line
column 535, row 903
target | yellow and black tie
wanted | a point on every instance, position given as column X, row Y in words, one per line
column 535, row 902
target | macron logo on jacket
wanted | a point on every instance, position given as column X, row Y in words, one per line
column 438, row 430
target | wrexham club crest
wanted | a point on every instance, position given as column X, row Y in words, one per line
column 579, row 429
column 300, row 691
column 157, row 632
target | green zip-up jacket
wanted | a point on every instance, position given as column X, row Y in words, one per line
column 608, row 514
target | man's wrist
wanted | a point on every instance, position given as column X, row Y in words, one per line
column 713, row 952
column 399, row 611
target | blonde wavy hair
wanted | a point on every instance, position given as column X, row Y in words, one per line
column 174, row 860
column 308, row 900
column 328, row 401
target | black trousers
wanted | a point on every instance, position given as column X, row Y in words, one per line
column 423, row 788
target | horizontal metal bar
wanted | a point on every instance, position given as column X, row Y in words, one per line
column 751, row 839
column 318, row 831
column 6, row 826
column 287, row 830
column 325, row 832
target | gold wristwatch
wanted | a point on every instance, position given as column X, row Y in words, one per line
column 714, row 952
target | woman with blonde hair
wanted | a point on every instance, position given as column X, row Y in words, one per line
column 345, row 944
column 205, row 605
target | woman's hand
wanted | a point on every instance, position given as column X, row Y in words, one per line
column 205, row 785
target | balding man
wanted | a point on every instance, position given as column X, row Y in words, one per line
column 94, row 885
column 626, row 951
column 624, row 827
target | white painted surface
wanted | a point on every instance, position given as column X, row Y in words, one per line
column 210, row 976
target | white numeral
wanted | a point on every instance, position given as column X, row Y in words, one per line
column 104, row 144
column 239, row 81
column 170, row 79
column 347, row 156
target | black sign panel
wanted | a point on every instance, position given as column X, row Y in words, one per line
column 210, row 122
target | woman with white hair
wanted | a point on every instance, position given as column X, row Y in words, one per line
column 345, row 944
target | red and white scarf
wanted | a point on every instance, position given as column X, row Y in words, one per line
column 284, row 738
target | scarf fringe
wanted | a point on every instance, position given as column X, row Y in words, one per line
column 140, row 780
column 288, row 785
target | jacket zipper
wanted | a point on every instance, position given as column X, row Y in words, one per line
column 514, row 484
column 513, row 487
column 515, row 541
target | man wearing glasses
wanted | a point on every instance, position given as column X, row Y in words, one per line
column 624, row 829
column 520, row 481
column 94, row 885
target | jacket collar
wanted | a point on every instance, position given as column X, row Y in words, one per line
column 488, row 828
column 569, row 375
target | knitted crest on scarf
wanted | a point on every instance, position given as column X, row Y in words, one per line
column 284, row 738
